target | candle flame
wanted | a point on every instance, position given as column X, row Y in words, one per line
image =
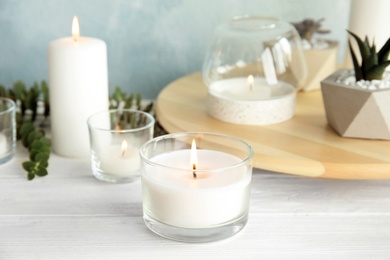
column 75, row 29
column 250, row 81
column 124, row 147
column 194, row 158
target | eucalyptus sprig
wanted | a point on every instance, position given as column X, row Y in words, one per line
column 120, row 99
column 38, row 146
column 32, row 108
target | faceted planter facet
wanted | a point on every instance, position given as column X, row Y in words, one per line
column 320, row 63
column 354, row 112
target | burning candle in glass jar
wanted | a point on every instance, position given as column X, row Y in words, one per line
column 184, row 188
column 120, row 160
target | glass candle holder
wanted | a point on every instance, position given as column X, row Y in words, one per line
column 253, row 68
column 7, row 129
column 115, row 138
column 196, row 186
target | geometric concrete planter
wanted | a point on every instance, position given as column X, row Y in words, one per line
column 320, row 63
column 356, row 113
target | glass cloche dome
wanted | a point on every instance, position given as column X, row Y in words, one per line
column 252, row 59
column 260, row 46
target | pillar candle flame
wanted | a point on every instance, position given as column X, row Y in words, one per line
column 75, row 29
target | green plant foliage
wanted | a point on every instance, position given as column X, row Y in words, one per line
column 39, row 147
column 29, row 115
column 120, row 99
column 373, row 64
column 29, row 102
column 308, row 27
column 34, row 109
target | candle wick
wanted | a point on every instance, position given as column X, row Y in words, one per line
column 123, row 153
column 193, row 172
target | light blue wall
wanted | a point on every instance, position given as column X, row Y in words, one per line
column 150, row 42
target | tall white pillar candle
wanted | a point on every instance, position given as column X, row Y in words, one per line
column 371, row 19
column 78, row 84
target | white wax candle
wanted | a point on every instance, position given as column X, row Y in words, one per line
column 364, row 23
column 176, row 198
column 238, row 88
column 3, row 145
column 232, row 100
column 123, row 164
column 78, row 88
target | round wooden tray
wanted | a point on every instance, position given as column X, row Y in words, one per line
column 304, row 145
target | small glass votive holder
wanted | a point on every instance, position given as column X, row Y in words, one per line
column 196, row 186
column 7, row 129
column 115, row 139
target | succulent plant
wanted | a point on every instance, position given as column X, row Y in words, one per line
column 373, row 64
column 308, row 27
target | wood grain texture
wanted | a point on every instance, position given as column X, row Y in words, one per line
column 305, row 145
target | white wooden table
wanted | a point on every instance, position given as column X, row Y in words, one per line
column 71, row 215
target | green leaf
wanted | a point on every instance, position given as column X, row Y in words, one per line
column 45, row 141
column 28, row 166
column 133, row 122
column 46, row 100
column 3, row 91
column 25, row 141
column 45, row 164
column 33, row 153
column 377, row 71
column 19, row 89
column 358, row 71
column 30, row 176
column 34, row 136
column 42, row 149
column 37, row 144
column 371, row 62
column 41, row 171
column 138, row 101
column 117, row 96
column 363, row 46
column 129, row 101
column 26, row 128
column 383, row 53
column 42, row 158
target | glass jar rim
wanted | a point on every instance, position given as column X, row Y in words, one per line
column 122, row 131
column 242, row 162
column 249, row 22
column 10, row 108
